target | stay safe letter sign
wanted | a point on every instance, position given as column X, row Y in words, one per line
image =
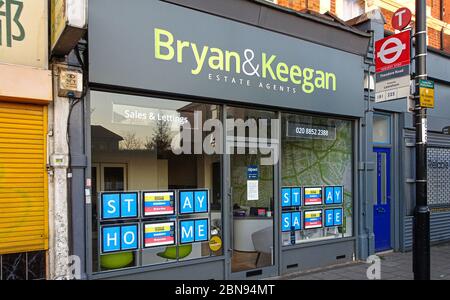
column 193, row 202
column 119, row 205
column 193, row 231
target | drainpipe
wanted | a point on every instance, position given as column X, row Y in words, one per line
column 366, row 142
column 441, row 17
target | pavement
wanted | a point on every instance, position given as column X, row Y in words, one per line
column 393, row 266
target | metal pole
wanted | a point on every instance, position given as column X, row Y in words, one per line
column 421, row 242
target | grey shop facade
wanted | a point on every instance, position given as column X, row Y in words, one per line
column 218, row 206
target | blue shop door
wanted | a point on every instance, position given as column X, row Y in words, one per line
column 382, row 208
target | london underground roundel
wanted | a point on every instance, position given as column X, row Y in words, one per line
column 393, row 51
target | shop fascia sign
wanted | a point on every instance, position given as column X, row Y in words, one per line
column 23, row 32
column 251, row 63
column 68, row 24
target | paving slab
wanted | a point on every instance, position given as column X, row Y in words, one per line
column 394, row 266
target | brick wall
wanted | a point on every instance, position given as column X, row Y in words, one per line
column 435, row 8
column 333, row 6
column 314, row 5
column 447, row 11
column 293, row 4
column 434, row 38
column 446, row 19
column 301, row 4
column 388, row 16
column 446, row 43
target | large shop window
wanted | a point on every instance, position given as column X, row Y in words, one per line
column 317, row 190
column 155, row 203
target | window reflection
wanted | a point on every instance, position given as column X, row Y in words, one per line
column 132, row 150
column 324, row 158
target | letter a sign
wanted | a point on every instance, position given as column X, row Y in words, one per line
column 392, row 63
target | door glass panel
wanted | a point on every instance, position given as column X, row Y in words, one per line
column 383, row 178
column 381, row 129
column 252, row 200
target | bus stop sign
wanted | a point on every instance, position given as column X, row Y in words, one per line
column 392, row 66
column 401, row 18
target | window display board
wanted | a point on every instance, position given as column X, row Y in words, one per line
column 117, row 238
column 312, row 196
column 333, row 217
column 159, row 234
column 313, row 219
column 119, row 205
column 194, row 219
column 307, row 208
column 291, row 221
column 158, row 203
column 194, row 231
column 163, row 214
column 291, row 196
column 334, row 195
column 193, row 201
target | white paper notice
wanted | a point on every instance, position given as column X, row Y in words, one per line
column 252, row 190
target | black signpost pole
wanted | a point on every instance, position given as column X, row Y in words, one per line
column 421, row 242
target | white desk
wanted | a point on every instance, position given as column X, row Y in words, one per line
column 244, row 227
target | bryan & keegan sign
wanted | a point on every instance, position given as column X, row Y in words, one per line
column 217, row 58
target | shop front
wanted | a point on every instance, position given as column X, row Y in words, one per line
column 25, row 96
column 219, row 149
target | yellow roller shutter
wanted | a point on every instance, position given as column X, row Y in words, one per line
column 23, row 178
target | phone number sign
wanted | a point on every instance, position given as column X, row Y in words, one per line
column 309, row 131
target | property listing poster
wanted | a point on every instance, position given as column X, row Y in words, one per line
column 159, row 234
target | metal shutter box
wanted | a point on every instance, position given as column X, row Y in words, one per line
column 23, row 178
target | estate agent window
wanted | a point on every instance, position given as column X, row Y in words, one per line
column 317, row 167
column 153, row 206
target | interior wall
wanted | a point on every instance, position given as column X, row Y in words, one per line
column 143, row 171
